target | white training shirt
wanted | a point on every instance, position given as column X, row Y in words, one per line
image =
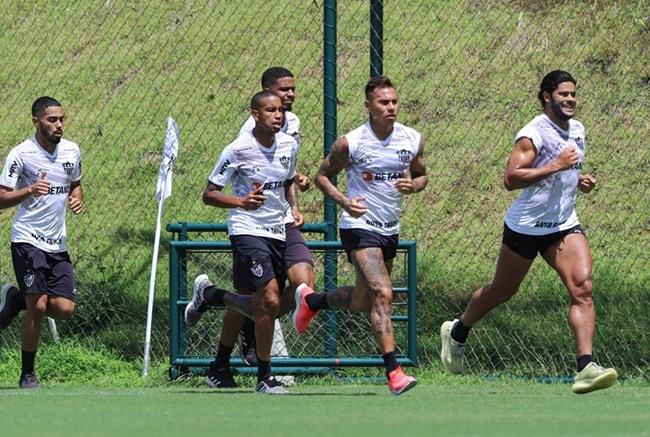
column 291, row 126
column 247, row 165
column 374, row 167
column 41, row 220
column 548, row 205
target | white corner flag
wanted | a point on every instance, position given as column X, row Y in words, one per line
column 170, row 152
column 163, row 191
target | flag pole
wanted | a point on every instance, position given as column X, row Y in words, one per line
column 163, row 191
column 152, row 286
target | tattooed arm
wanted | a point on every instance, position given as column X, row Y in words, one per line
column 332, row 165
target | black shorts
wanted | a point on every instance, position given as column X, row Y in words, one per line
column 352, row 239
column 41, row 272
column 296, row 250
column 256, row 260
column 529, row 246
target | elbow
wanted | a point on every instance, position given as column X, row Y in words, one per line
column 508, row 183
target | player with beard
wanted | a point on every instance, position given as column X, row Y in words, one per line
column 546, row 164
column 42, row 175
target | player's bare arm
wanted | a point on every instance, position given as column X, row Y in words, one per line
column 76, row 197
column 291, row 194
column 214, row 196
column 10, row 197
column 337, row 160
column 519, row 172
column 416, row 178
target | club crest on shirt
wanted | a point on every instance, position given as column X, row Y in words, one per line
column 580, row 142
column 257, row 270
column 404, row 156
column 29, row 279
column 68, row 167
column 285, row 161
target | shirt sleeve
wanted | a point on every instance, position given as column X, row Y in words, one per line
column 531, row 133
column 12, row 170
column 224, row 169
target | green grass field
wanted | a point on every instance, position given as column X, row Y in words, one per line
column 455, row 407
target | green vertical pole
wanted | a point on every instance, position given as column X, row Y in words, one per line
column 329, row 136
column 376, row 38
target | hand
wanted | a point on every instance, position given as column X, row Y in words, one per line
column 75, row 204
column 298, row 218
column 586, row 183
column 302, row 182
column 567, row 158
column 254, row 200
column 41, row 187
column 354, row 207
column 405, row 184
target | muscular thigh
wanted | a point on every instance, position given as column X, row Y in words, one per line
column 571, row 258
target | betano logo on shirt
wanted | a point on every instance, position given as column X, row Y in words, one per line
column 391, row 176
column 268, row 185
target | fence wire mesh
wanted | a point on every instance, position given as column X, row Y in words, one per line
column 467, row 74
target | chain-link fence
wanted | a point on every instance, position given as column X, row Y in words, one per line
column 467, row 75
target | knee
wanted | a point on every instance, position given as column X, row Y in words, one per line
column 271, row 303
column 383, row 297
column 65, row 313
column 37, row 310
column 581, row 292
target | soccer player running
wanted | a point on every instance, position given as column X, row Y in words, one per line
column 42, row 175
column 546, row 164
column 298, row 262
column 260, row 164
column 383, row 161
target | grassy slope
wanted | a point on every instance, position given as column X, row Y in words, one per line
column 467, row 77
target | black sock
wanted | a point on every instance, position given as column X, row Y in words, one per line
column 263, row 369
column 317, row 301
column 248, row 332
column 390, row 362
column 28, row 359
column 18, row 302
column 459, row 332
column 212, row 296
column 222, row 360
column 583, row 360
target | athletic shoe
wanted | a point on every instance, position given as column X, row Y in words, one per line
column 451, row 352
column 302, row 315
column 593, row 377
column 270, row 385
column 29, row 380
column 220, row 378
column 193, row 312
column 246, row 344
column 399, row 382
column 7, row 311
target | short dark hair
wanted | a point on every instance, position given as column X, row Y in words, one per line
column 42, row 103
column 256, row 101
column 551, row 81
column 271, row 76
column 377, row 82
